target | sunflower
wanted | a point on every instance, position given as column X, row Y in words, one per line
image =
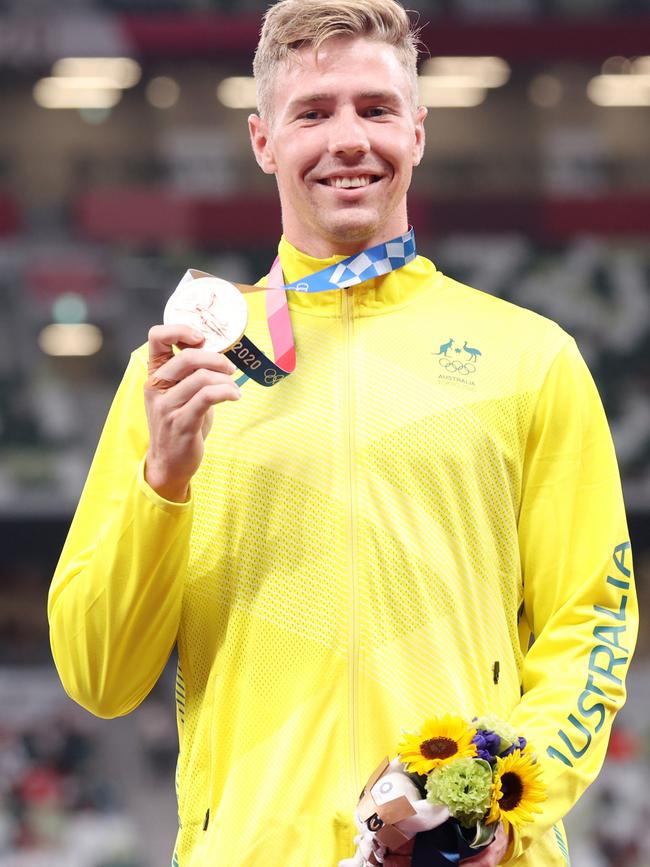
column 518, row 790
column 442, row 740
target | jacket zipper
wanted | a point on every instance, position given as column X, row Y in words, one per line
column 353, row 666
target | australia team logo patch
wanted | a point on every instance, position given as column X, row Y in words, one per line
column 459, row 362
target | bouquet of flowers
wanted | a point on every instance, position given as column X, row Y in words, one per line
column 449, row 788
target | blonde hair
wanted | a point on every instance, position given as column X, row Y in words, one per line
column 293, row 24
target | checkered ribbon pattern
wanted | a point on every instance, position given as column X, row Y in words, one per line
column 363, row 266
column 366, row 265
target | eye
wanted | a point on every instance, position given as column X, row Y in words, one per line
column 376, row 111
column 312, row 114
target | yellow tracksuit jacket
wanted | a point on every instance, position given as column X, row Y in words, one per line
column 426, row 517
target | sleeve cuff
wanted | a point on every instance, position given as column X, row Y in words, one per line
column 156, row 499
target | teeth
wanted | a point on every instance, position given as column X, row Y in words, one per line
column 346, row 183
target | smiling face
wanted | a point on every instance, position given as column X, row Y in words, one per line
column 342, row 144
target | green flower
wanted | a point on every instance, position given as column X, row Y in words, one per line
column 505, row 731
column 464, row 787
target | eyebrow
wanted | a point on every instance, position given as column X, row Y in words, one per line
column 311, row 98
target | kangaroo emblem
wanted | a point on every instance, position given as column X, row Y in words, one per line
column 471, row 351
column 445, row 347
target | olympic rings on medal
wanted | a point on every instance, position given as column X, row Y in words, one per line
column 452, row 365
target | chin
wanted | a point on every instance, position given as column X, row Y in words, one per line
column 352, row 230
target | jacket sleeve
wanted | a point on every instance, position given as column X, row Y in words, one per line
column 579, row 614
column 115, row 599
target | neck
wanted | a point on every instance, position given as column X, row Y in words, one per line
column 325, row 248
column 345, row 244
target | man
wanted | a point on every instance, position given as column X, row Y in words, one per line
column 376, row 539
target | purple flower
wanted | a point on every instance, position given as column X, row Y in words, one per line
column 487, row 745
column 519, row 745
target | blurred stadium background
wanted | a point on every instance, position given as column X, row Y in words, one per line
column 116, row 175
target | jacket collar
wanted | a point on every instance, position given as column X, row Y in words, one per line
column 372, row 297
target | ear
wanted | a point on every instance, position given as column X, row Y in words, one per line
column 418, row 147
column 261, row 144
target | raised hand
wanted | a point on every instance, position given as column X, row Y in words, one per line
column 179, row 395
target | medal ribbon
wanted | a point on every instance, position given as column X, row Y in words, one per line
column 373, row 262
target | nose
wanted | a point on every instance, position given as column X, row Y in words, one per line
column 348, row 136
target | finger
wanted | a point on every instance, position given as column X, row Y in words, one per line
column 183, row 364
column 395, row 860
column 400, row 857
column 190, row 417
column 488, row 858
column 157, row 383
column 185, row 390
column 162, row 339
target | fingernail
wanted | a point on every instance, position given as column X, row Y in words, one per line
column 231, row 367
column 197, row 335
